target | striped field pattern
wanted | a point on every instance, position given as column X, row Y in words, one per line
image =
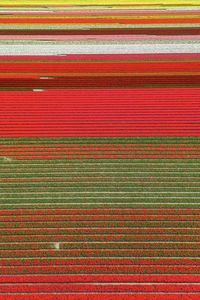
column 99, row 150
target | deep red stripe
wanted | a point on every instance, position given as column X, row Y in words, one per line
column 100, row 296
column 71, row 278
column 99, row 288
column 99, row 67
column 102, row 82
